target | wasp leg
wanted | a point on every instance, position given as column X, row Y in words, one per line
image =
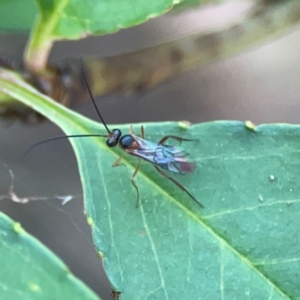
column 178, row 184
column 131, row 129
column 177, row 138
column 134, row 184
column 117, row 162
column 142, row 132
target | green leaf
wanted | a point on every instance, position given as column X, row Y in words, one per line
column 30, row 271
column 243, row 245
column 185, row 4
column 17, row 15
column 73, row 19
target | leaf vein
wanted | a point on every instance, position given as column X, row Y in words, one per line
column 154, row 251
column 250, row 208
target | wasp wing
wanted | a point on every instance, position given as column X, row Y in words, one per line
column 175, row 159
column 172, row 158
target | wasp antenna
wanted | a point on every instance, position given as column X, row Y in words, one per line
column 91, row 96
column 33, row 146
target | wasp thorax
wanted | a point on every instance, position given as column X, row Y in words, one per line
column 126, row 141
column 113, row 138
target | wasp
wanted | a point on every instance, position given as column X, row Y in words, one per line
column 161, row 155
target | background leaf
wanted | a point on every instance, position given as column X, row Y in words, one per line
column 17, row 15
column 243, row 245
column 73, row 19
column 30, row 271
column 20, row 15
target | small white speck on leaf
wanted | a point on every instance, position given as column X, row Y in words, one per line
column 272, row 177
column 260, row 197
